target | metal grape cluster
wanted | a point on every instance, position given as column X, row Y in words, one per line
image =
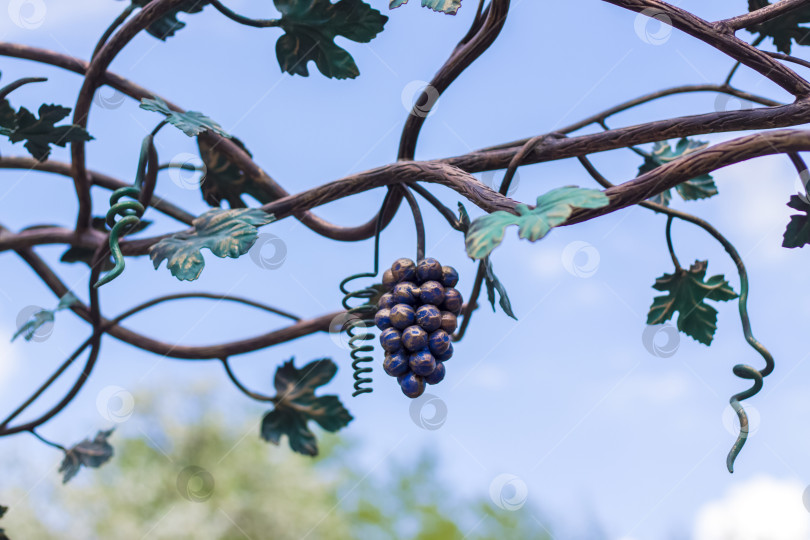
column 417, row 317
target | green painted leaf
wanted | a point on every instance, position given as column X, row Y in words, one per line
column 227, row 233
column 784, row 29
column 445, row 6
column 494, row 284
column 553, row 208
column 85, row 255
column 311, row 27
column 39, row 133
column 192, row 123
column 89, row 453
column 43, row 316
column 297, row 404
column 701, row 187
column 687, row 294
column 168, row 24
column 797, row 233
column 224, row 180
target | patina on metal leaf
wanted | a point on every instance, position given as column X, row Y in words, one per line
column 39, row 133
column 444, row 6
column 687, row 294
column 296, row 404
column 192, row 123
column 784, row 29
column 311, row 27
column 797, row 233
column 701, row 187
column 553, row 208
column 227, row 233
column 89, row 453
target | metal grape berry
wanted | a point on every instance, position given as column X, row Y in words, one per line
column 417, row 315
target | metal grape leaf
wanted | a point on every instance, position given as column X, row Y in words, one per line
column 797, row 233
column 192, row 123
column 687, row 294
column 494, row 284
column 224, row 180
column 39, row 133
column 89, row 453
column 85, row 255
column 296, row 404
column 701, row 187
column 227, row 233
column 783, row 29
column 311, row 27
column 43, row 316
column 553, row 208
column 168, row 24
column 444, row 6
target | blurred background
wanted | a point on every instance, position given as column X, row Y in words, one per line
column 569, row 423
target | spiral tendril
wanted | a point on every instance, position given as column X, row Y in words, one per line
column 130, row 212
column 361, row 315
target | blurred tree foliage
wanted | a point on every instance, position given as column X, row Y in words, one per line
column 179, row 477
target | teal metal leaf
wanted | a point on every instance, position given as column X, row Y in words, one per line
column 494, row 284
column 296, row 404
column 311, row 27
column 553, row 208
column 227, row 233
column 192, row 123
column 88, row 453
column 784, row 29
column 224, row 180
column 43, row 316
column 39, row 133
column 797, row 233
column 687, row 294
column 168, row 24
column 444, row 6
column 701, row 187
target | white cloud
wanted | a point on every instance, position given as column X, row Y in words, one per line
column 763, row 507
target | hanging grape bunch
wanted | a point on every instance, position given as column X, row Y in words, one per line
column 417, row 315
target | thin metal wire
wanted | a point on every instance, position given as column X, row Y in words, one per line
column 360, row 315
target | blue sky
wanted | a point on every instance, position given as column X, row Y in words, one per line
column 567, row 399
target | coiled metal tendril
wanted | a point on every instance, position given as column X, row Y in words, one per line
column 361, row 315
column 130, row 211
